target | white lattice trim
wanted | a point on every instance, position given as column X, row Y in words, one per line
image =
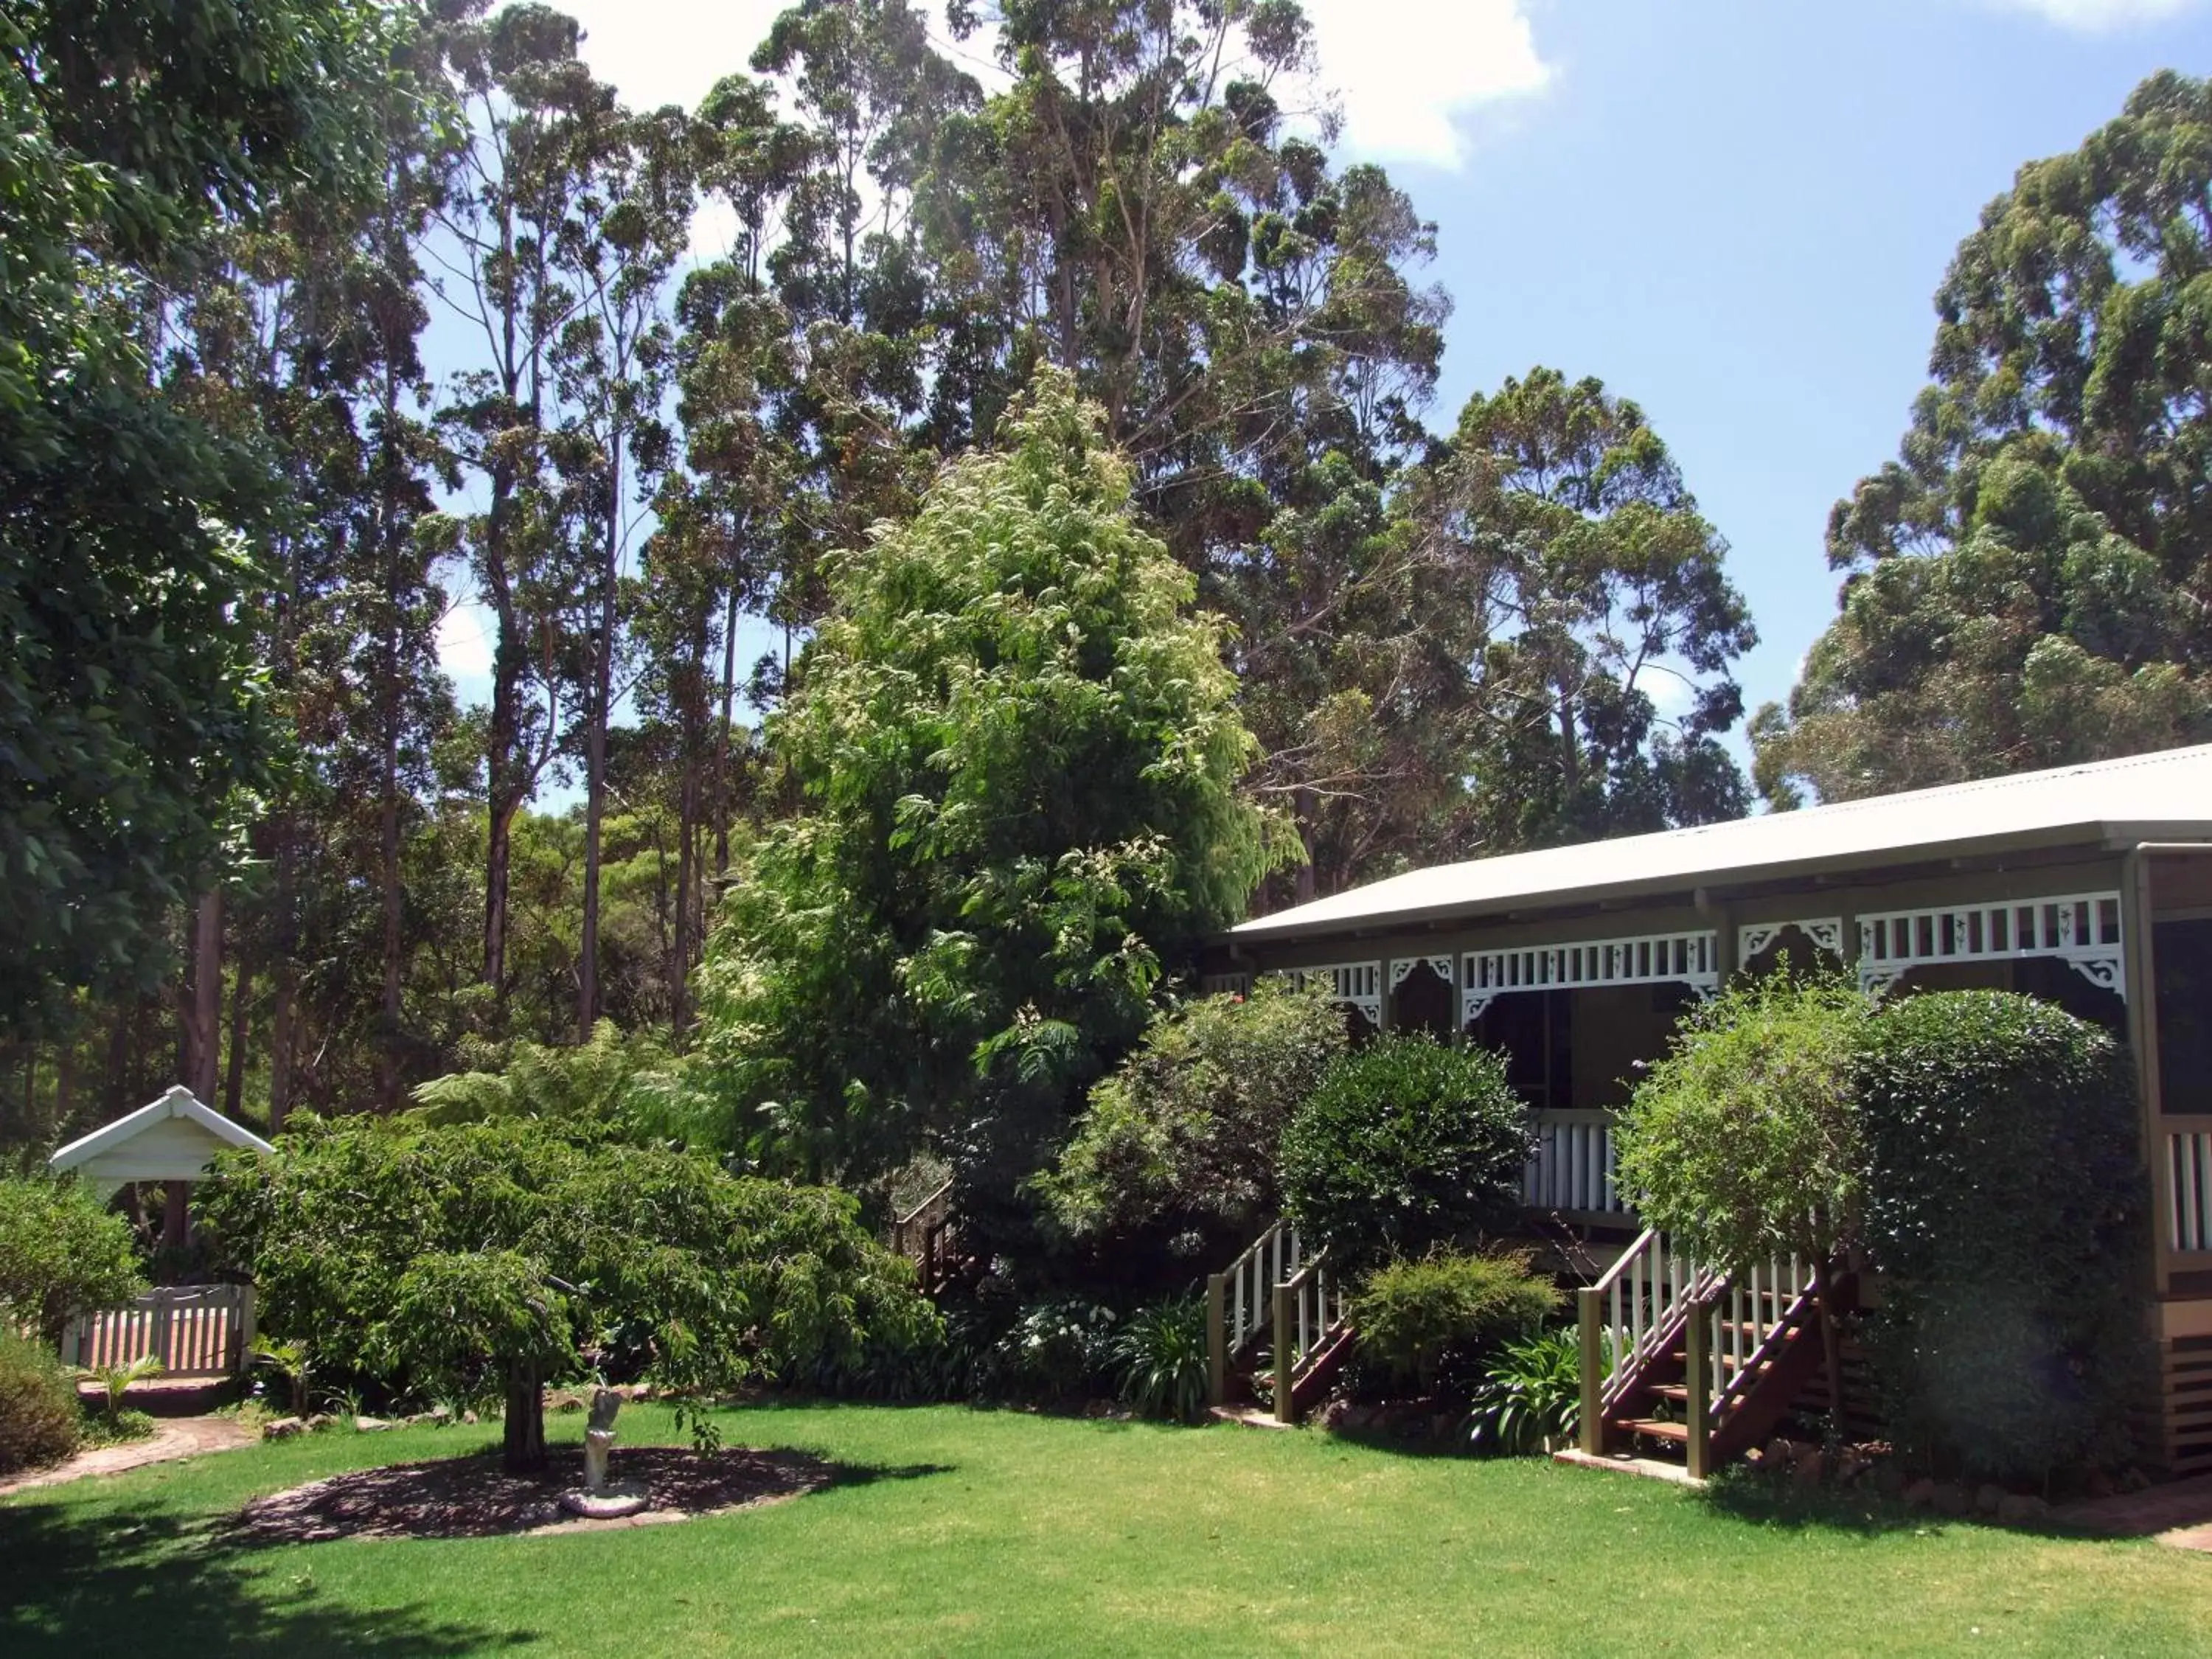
column 1826, row 933
column 1689, row 959
column 2081, row 930
column 1355, row 984
column 1401, row 966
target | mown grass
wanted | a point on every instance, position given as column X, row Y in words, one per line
column 1003, row 1533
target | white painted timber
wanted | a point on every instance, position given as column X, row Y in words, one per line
column 2081, row 930
column 1826, row 933
column 2189, row 1188
column 1689, row 959
column 173, row 1138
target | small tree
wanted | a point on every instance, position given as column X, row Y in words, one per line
column 61, row 1251
column 1186, row 1129
column 1744, row 1141
column 1405, row 1145
column 484, row 1260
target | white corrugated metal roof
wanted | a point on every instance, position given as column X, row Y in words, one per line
column 2145, row 798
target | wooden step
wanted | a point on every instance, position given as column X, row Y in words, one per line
column 1677, row 1432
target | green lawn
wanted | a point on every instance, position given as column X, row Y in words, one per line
column 1001, row 1533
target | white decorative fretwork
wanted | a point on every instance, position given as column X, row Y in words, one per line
column 2081, row 930
column 1401, row 966
column 1218, row 985
column 1355, row 984
column 1652, row 959
column 1826, row 933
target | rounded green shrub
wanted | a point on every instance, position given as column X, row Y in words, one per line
column 40, row 1421
column 1418, row 1318
column 1405, row 1145
column 61, row 1251
column 2005, row 1207
column 1184, row 1131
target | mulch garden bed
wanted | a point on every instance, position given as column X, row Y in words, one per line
column 475, row 1497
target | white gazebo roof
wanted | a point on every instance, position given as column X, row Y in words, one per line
column 173, row 1139
column 2116, row 803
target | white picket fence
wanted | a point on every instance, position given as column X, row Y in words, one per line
column 194, row 1330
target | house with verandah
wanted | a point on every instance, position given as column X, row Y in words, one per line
column 2089, row 885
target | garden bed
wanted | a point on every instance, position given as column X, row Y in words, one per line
column 475, row 1498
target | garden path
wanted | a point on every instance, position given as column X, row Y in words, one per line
column 172, row 1437
column 2179, row 1513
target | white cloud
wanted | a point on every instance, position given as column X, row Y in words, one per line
column 2097, row 16
column 670, row 52
column 1408, row 70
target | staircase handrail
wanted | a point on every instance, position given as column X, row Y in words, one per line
column 1641, row 1303
column 1750, row 1333
column 1308, row 1319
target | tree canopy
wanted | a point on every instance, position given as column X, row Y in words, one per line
column 2024, row 585
column 1020, row 754
column 481, row 1261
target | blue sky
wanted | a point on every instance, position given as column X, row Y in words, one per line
column 1734, row 211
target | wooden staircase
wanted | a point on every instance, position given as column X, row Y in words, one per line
column 1274, row 1324
column 927, row 1237
column 1693, row 1362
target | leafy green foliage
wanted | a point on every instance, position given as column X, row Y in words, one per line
column 1743, row 1141
column 1185, row 1130
column 605, row 1082
column 1058, row 1348
column 462, row 1261
column 2023, row 577
column 1161, row 1350
column 130, row 708
column 1022, row 758
column 115, row 1381
column 40, row 1421
column 1530, row 1398
column 1407, row 1144
column 1559, row 497
column 61, row 1252
column 1415, row 1315
column 2005, row 1208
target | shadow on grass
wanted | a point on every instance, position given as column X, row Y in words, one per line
column 153, row 1582
column 1740, row 1495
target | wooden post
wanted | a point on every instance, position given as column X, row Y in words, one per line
column 1217, row 1339
column 1697, row 1337
column 1286, row 1361
column 245, row 1328
column 1590, row 1315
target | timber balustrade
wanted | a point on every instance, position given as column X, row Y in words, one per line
column 1570, row 1170
column 1280, row 1288
column 1730, row 1328
column 2188, row 1184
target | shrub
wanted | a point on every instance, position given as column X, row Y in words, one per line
column 1186, row 1129
column 1405, row 1145
column 2005, row 1205
column 40, row 1421
column 1414, row 1316
column 1743, row 1142
column 1531, row 1398
column 1161, row 1350
column 60, row 1251
column 1058, row 1348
